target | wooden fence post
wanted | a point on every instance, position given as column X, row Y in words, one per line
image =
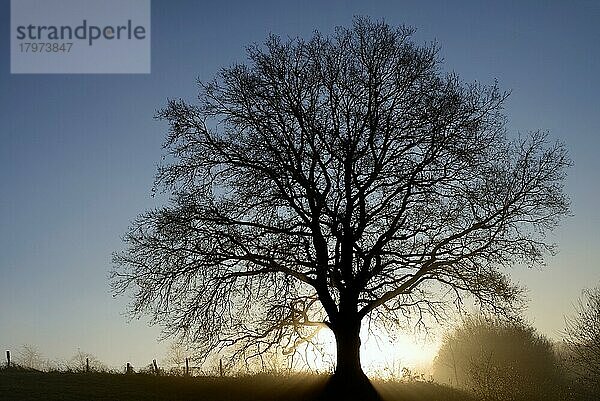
column 87, row 365
column 155, row 367
column 221, row 367
column 187, row 366
column 128, row 368
column 7, row 358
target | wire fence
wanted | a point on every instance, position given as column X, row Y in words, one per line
column 89, row 366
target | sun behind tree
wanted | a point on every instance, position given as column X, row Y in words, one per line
column 331, row 181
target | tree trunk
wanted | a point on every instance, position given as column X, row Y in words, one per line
column 347, row 338
column 349, row 382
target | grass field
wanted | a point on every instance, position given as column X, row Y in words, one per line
column 23, row 385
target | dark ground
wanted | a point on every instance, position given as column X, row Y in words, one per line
column 22, row 385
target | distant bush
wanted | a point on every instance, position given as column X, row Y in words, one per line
column 582, row 346
column 81, row 361
column 30, row 357
column 499, row 361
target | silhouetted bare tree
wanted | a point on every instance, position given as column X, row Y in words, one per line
column 582, row 337
column 334, row 180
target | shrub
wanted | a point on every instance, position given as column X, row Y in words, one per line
column 582, row 343
column 499, row 361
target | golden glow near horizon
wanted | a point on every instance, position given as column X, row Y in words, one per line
column 385, row 358
column 382, row 357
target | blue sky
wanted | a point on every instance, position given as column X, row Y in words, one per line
column 78, row 152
